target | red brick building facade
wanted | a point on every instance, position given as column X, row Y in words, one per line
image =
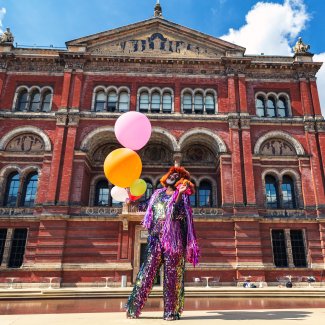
column 248, row 128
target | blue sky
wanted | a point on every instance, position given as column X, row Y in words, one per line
column 269, row 26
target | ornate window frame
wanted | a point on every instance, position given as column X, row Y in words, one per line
column 276, row 97
column 107, row 90
column 30, row 91
column 161, row 92
column 204, row 93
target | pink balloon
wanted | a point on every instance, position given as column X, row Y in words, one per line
column 133, row 130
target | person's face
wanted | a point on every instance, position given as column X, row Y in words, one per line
column 172, row 179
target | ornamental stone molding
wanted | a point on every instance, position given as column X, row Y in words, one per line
column 279, row 135
column 320, row 126
column 27, row 142
column 25, row 130
column 217, row 143
column 88, row 142
column 163, row 133
column 309, row 126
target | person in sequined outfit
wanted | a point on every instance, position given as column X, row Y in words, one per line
column 171, row 241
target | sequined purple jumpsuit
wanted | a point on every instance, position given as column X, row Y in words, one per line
column 156, row 255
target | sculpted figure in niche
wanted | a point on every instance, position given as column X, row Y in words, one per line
column 26, row 143
column 129, row 47
column 7, row 37
column 157, row 44
column 277, row 148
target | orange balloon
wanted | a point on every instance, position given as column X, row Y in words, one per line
column 122, row 167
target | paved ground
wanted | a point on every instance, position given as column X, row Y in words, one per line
column 251, row 317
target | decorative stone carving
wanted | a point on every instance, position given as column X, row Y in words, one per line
column 245, row 123
column 7, row 37
column 101, row 153
column 26, row 143
column 73, row 120
column 158, row 10
column 233, row 123
column 61, row 119
column 320, row 126
column 309, row 126
column 155, row 44
column 156, row 154
column 198, row 154
column 277, row 147
column 301, row 47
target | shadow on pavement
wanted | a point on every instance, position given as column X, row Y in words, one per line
column 252, row 315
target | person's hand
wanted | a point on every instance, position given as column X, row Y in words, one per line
column 183, row 188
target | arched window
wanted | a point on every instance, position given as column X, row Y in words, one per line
column 144, row 102
column 271, row 107
column 198, row 103
column 282, row 107
column 159, row 185
column 123, row 102
column 30, row 190
column 100, row 101
column 167, row 103
column 22, row 101
column 272, row 194
column 12, row 189
column 288, row 193
column 187, row 103
column 46, row 103
column 149, row 190
column 205, row 194
column 35, row 101
column 102, row 194
column 210, row 104
column 260, row 107
column 112, row 101
column 155, row 102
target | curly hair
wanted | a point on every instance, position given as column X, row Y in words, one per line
column 184, row 177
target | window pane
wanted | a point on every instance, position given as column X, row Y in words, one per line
column 198, row 103
column 260, row 106
column 35, row 102
column 279, row 248
column 205, row 194
column 100, row 101
column 3, row 235
column 30, row 190
column 12, row 190
column 209, row 104
column 18, row 248
column 102, row 194
column 112, row 101
column 187, row 103
column 22, row 101
column 271, row 192
column 123, row 104
column 144, row 102
column 282, row 108
column 167, row 103
column 46, row 105
column 155, row 102
column 193, row 200
column 288, row 193
column 271, row 107
column 298, row 248
column 149, row 190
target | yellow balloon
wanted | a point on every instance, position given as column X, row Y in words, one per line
column 138, row 187
column 122, row 167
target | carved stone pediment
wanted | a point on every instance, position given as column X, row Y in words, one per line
column 155, row 37
column 156, row 154
column 277, row 147
column 156, row 44
column 198, row 154
column 26, row 143
column 102, row 152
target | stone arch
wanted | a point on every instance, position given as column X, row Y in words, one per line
column 92, row 138
column 217, row 143
column 165, row 137
column 27, row 129
column 280, row 135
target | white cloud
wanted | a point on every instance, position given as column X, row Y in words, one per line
column 272, row 28
column 321, row 80
column 2, row 13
